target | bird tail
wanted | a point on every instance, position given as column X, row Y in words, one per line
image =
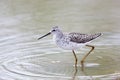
column 96, row 35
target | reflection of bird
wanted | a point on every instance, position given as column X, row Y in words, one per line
column 72, row 41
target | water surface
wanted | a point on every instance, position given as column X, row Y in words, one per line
column 23, row 57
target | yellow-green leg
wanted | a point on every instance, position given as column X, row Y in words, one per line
column 75, row 58
column 82, row 61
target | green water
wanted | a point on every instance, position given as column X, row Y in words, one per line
column 23, row 57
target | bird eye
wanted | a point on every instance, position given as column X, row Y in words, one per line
column 53, row 30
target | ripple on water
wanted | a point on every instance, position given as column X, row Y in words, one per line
column 56, row 65
column 35, row 65
column 49, row 65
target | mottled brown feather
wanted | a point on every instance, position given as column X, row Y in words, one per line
column 82, row 38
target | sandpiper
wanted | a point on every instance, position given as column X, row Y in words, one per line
column 72, row 41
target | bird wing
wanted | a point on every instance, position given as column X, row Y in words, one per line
column 82, row 38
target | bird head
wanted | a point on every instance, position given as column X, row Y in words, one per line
column 53, row 31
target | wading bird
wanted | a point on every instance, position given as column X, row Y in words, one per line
column 72, row 41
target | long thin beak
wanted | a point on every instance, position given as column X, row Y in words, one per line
column 44, row 35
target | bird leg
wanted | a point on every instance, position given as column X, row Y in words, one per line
column 82, row 61
column 75, row 58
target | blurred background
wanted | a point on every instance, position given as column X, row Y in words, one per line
column 23, row 57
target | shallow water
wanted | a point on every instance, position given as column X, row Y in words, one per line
column 23, row 57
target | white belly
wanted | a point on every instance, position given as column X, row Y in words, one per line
column 65, row 43
column 69, row 45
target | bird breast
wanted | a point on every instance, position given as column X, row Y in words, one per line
column 65, row 43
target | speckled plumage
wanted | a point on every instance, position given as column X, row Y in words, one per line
column 82, row 38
